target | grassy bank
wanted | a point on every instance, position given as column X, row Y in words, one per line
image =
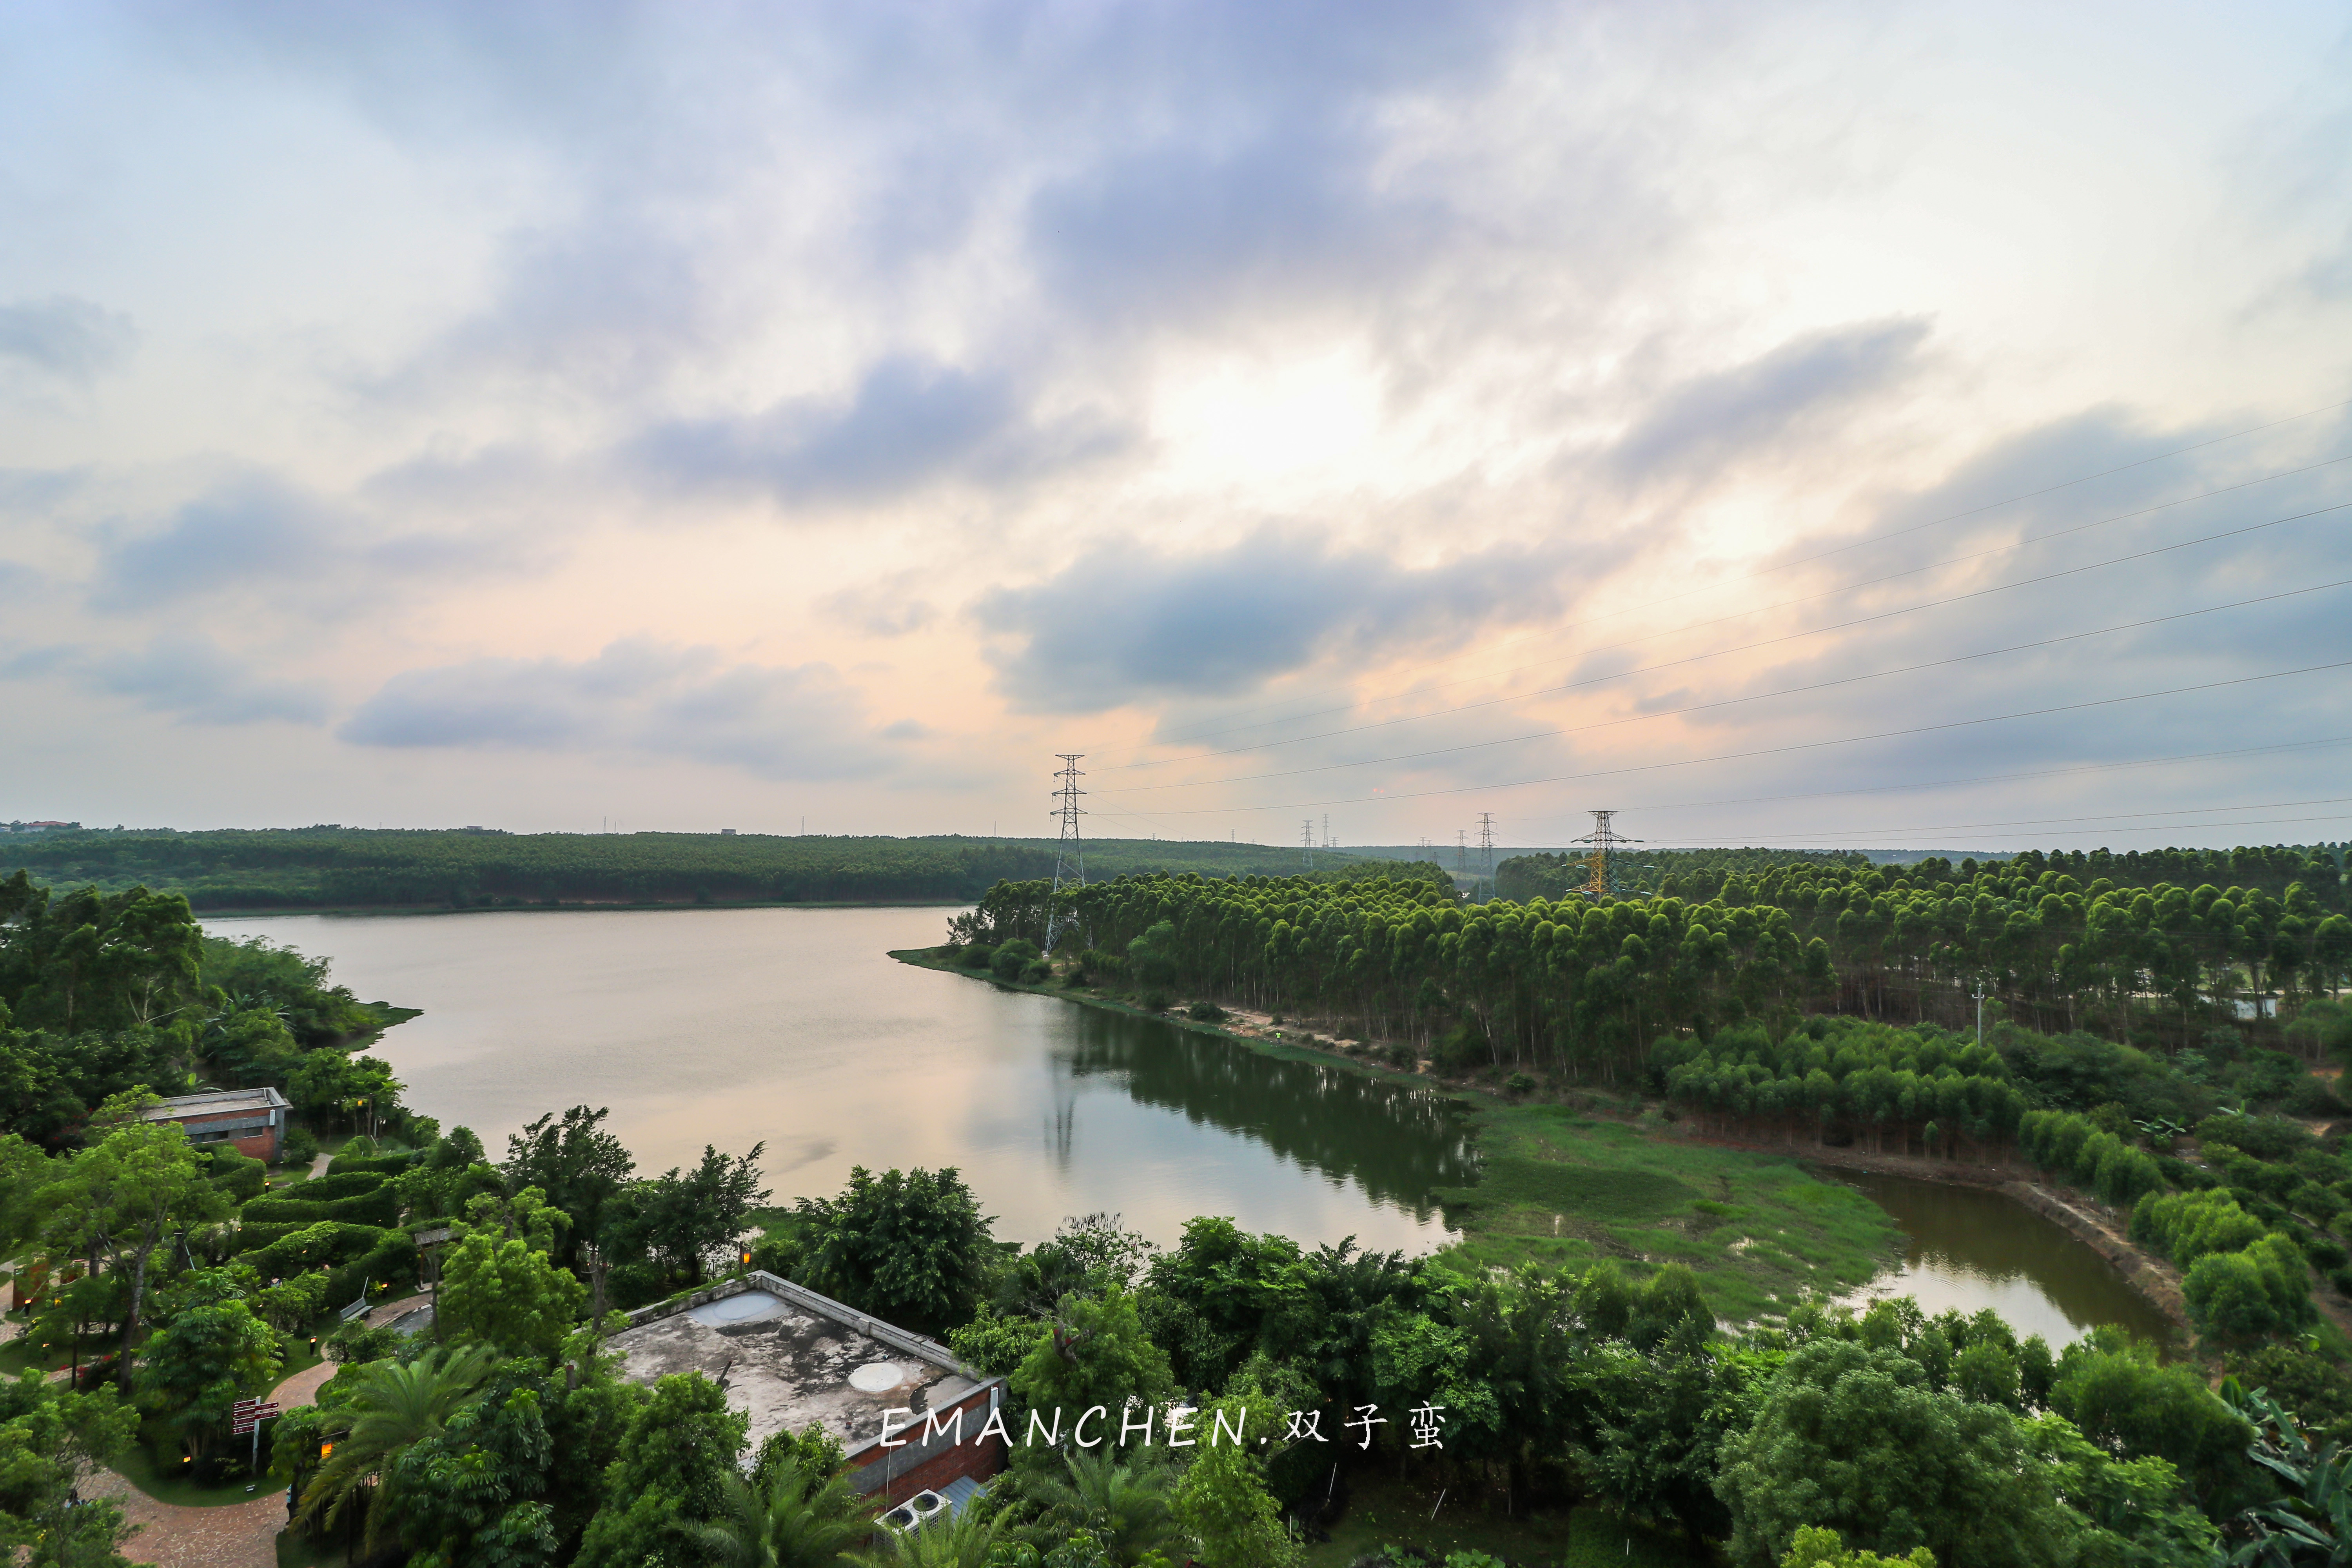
column 1563, row 1182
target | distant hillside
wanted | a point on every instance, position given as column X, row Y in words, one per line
column 342, row 868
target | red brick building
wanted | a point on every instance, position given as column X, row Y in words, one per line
column 252, row 1118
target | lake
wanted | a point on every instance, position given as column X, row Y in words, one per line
column 794, row 1029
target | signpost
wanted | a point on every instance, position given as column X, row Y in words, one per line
column 247, row 1416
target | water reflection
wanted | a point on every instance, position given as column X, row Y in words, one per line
column 795, row 1029
column 1971, row 1248
column 1397, row 1140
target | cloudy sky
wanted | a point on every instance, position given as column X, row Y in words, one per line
column 1797, row 424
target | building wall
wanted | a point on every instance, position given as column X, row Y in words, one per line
column 255, row 1144
column 954, row 1460
column 978, row 1460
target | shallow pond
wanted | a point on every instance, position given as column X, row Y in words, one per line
column 1971, row 1248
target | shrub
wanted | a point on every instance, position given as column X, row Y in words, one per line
column 2124, row 1173
column 2240, row 1297
column 354, row 1342
column 2187, row 1226
column 348, row 1163
column 295, row 1249
column 1011, row 958
column 1205, row 1012
column 301, row 1146
column 234, row 1174
column 1155, row 1001
column 2327, row 1253
column 1517, row 1084
column 376, row 1209
column 337, row 1185
column 1403, row 1056
column 977, row 957
column 1036, row 971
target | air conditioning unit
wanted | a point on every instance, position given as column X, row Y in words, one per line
column 917, row 1511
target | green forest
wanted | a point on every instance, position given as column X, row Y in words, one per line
column 352, row 869
column 1522, row 1397
column 1581, row 987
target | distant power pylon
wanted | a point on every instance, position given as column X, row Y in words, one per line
column 1306, row 843
column 1462, row 851
column 1602, row 838
column 1069, row 854
column 1327, row 830
column 1487, row 841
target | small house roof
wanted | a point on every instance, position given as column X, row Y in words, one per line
column 179, row 1108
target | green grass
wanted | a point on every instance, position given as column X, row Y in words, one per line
column 1398, row 1514
column 1562, row 1189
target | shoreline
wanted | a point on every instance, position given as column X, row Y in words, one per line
column 2153, row 1279
column 584, row 908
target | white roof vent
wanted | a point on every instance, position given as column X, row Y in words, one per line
column 877, row 1377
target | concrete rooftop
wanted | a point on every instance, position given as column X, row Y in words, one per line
column 788, row 1362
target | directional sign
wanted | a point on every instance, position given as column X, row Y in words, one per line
column 248, row 1414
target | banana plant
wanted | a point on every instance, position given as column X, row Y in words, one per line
column 2312, row 1523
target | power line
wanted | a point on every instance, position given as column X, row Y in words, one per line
column 1855, row 544
column 1736, row 701
column 1775, row 751
column 1765, row 642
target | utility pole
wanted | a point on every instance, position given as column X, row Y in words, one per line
column 1602, row 838
column 1487, row 841
column 1069, row 854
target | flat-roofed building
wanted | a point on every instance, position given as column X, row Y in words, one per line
column 787, row 1356
column 252, row 1118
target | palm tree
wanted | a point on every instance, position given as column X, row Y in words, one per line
column 964, row 1541
column 1126, row 1506
column 393, row 1406
column 798, row 1520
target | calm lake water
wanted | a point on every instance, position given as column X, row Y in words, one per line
column 792, row 1028
column 1971, row 1248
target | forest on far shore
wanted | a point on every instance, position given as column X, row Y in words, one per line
column 333, row 866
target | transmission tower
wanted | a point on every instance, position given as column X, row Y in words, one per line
column 1327, row 830
column 1487, row 841
column 1462, row 851
column 1602, row 838
column 1069, row 854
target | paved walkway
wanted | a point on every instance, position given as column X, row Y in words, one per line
column 236, row 1535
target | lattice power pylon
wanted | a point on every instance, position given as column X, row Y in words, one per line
column 1602, row 838
column 1070, row 855
column 1487, row 841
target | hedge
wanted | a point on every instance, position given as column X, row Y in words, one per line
column 378, row 1208
column 392, row 1259
column 384, row 1165
column 240, row 1177
column 335, row 1185
column 296, row 1250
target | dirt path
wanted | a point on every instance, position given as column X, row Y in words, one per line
column 236, row 1535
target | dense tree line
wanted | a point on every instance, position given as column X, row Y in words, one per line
column 1581, row 986
column 102, row 990
column 345, row 867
